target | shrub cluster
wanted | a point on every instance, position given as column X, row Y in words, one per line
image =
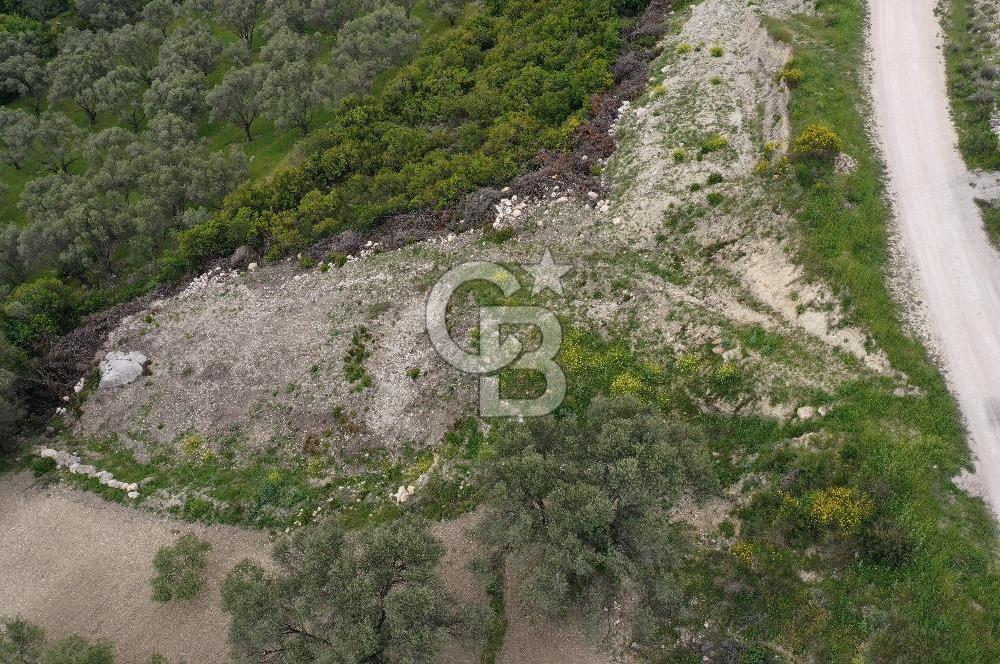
column 180, row 569
column 816, row 142
column 477, row 103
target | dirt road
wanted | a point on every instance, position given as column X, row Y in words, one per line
column 74, row 563
column 958, row 271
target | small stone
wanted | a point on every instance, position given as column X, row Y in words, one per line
column 252, row 266
column 133, row 494
column 805, row 413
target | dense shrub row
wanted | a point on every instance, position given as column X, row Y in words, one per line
column 472, row 109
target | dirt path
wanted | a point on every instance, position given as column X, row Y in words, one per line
column 958, row 271
column 75, row 563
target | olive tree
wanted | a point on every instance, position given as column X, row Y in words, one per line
column 159, row 14
column 371, row 44
column 180, row 91
column 370, row 596
column 191, row 46
column 242, row 16
column 585, row 501
column 237, row 98
column 446, row 9
column 80, row 63
column 22, row 71
column 17, row 136
column 120, row 93
column 57, row 141
column 295, row 87
column 136, row 45
column 294, row 92
column 309, row 15
column 108, row 14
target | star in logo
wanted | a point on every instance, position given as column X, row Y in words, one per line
column 547, row 274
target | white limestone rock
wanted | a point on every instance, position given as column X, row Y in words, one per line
column 118, row 368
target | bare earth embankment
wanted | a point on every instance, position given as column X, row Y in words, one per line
column 958, row 271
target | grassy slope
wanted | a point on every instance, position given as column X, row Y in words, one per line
column 945, row 604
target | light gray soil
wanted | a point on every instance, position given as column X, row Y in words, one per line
column 75, row 563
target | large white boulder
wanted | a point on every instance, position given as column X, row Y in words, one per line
column 118, row 368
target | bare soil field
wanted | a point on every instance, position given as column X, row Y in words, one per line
column 75, row 563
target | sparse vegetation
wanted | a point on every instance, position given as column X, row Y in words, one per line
column 991, row 221
column 714, row 143
column 354, row 360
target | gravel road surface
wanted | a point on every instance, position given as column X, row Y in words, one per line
column 958, row 272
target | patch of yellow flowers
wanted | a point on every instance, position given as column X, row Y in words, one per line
column 842, row 507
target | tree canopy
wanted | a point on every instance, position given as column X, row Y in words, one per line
column 587, row 499
column 368, row 596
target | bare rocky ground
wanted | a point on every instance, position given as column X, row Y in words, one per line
column 670, row 261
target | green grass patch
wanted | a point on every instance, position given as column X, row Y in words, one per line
column 968, row 48
column 991, row 221
column 942, row 602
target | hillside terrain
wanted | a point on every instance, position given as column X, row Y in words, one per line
column 756, row 459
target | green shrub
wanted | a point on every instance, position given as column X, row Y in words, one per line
column 714, row 143
column 43, row 466
column 792, row 76
column 885, row 542
column 38, row 311
column 77, row 650
column 180, row 569
column 714, row 178
column 20, row 640
column 680, row 154
column 816, row 142
column 716, row 51
column 475, row 106
column 683, row 48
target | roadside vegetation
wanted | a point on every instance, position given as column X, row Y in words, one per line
column 900, row 452
column 991, row 220
column 972, row 57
